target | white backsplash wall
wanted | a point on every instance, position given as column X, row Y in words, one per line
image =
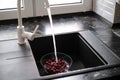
column 64, row 9
column 108, row 9
column 105, row 8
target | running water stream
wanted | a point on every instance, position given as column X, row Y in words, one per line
column 53, row 34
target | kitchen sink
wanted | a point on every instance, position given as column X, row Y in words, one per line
column 86, row 55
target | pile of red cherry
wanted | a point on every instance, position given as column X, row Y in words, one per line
column 55, row 67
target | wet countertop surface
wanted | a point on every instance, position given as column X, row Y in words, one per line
column 17, row 62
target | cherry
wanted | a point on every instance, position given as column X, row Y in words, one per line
column 55, row 67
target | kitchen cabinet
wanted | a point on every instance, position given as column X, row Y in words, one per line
column 108, row 9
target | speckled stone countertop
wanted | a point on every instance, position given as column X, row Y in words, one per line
column 17, row 62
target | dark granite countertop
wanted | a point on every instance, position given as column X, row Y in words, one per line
column 17, row 62
column 20, row 65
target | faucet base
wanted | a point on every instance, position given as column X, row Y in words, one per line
column 20, row 31
column 22, row 34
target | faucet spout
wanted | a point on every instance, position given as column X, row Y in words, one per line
column 19, row 13
column 22, row 34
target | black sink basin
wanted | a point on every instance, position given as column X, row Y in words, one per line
column 117, row 77
column 83, row 54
